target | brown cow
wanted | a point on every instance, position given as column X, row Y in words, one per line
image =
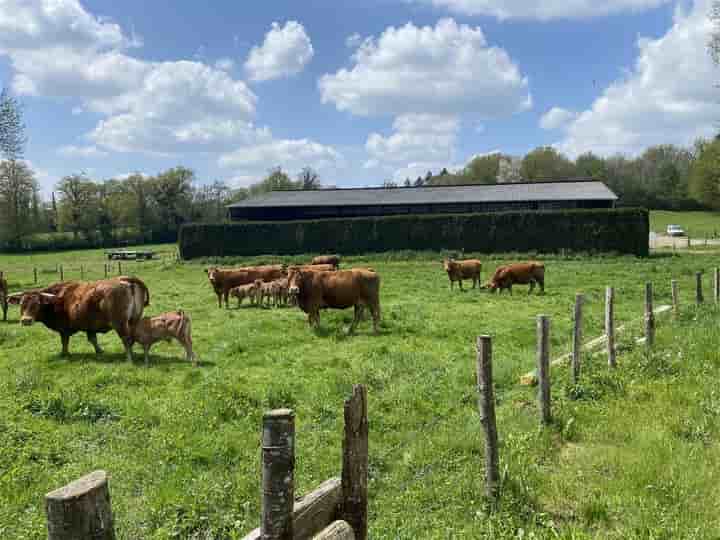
column 3, row 295
column 459, row 270
column 165, row 327
column 338, row 290
column 92, row 307
column 224, row 280
column 333, row 260
column 314, row 267
column 241, row 292
column 519, row 273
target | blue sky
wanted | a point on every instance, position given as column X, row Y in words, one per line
column 362, row 91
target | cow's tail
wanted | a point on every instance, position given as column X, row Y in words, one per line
column 140, row 283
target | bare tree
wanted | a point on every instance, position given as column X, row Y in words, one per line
column 309, row 179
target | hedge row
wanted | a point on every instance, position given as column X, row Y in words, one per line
column 607, row 230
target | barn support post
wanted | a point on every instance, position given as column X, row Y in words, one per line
column 698, row 288
column 649, row 317
column 577, row 338
column 278, row 470
column 543, row 367
column 486, row 407
column 81, row 510
column 610, row 324
column 675, row 298
column 354, row 506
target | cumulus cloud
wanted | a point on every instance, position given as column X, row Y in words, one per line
column 416, row 137
column 289, row 154
column 545, row 9
column 445, row 69
column 669, row 97
column 225, row 64
column 81, row 151
column 557, row 117
column 353, row 41
column 285, row 52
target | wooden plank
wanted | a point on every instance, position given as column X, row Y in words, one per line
column 313, row 512
column 530, row 378
column 338, row 530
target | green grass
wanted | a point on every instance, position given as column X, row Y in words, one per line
column 632, row 454
column 696, row 224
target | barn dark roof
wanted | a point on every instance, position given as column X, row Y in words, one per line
column 574, row 190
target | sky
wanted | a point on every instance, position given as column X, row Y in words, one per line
column 362, row 91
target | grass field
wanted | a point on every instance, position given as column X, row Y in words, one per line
column 632, row 454
column 696, row 224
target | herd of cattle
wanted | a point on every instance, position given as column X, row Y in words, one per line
column 118, row 303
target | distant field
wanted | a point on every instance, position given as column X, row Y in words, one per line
column 182, row 444
column 696, row 224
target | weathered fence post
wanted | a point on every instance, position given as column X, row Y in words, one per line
column 577, row 338
column 543, row 363
column 106, row 270
column 278, row 468
column 649, row 317
column 688, row 240
column 82, row 272
column 610, row 324
column 716, row 285
column 81, row 510
column 675, row 298
column 62, row 274
column 35, row 275
column 354, row 506
column 698, row 288
column 486, row 407
column 337, row 530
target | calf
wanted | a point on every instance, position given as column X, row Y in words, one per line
column 459, row 270
column 224, row 280
column 338, row 290
column 520, row 273
column 245, row 291
column 165, row 327
column 3, row 295
column 332, row 260
column 279, row 289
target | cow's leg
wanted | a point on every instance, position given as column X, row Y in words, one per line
column 452, row 284
column 65, row 340
column 219, row 295
column 460, row 283
column 541, row 283
column 127, row 343
column 146, row 350
column 356, row 318
column 375, row 311
column 226, row 296
column 92, row 338
column 5, row 310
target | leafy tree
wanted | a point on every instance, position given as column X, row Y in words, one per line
column 276, row 180
column 483, row 169
column 546, row 163
column 172, row 195
column 591, row 166
column 309, row 179
column 78, row 204
column 705, row 176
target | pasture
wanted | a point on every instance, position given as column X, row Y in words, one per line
column 631, row 454
column 696, row 224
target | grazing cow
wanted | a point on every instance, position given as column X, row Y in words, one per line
column 241, row 292
column 459, row 270
column 338, row 290
column 165, row 327
column 92, row 307
column 520, row 273
column 224, row 280
column 314, row 267
column 333, row 260
column 3, row 295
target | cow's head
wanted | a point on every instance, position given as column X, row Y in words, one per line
column 294, row 278
column 447, row 264
column 31, row 304
column 213, row 272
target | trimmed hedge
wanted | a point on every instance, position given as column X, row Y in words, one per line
column 607, row 230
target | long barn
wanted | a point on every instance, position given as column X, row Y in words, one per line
column 371, row 202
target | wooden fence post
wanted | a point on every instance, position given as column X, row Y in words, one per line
column 82, row 272
column 278, row 468
column 675, row 298
column 62, row 274
column 716, row 285
column 543, row 367
column 698, row 288
column 119, row 268
column 35, row 275
column 688, row 241
column 106, row 270
column 610, row 324
column 486, row 407
column 81, row 510
column 577, row 338
column 649, row 317
column 354, row 506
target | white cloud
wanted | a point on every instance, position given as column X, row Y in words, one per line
column 225, row 64
column 545, row 9
column 669, row 97
column 446, row 69
column 291, row 155
column 556, row 118
column 81, row 151
column 417, row 137
column 353, row 41
column 285, row 52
